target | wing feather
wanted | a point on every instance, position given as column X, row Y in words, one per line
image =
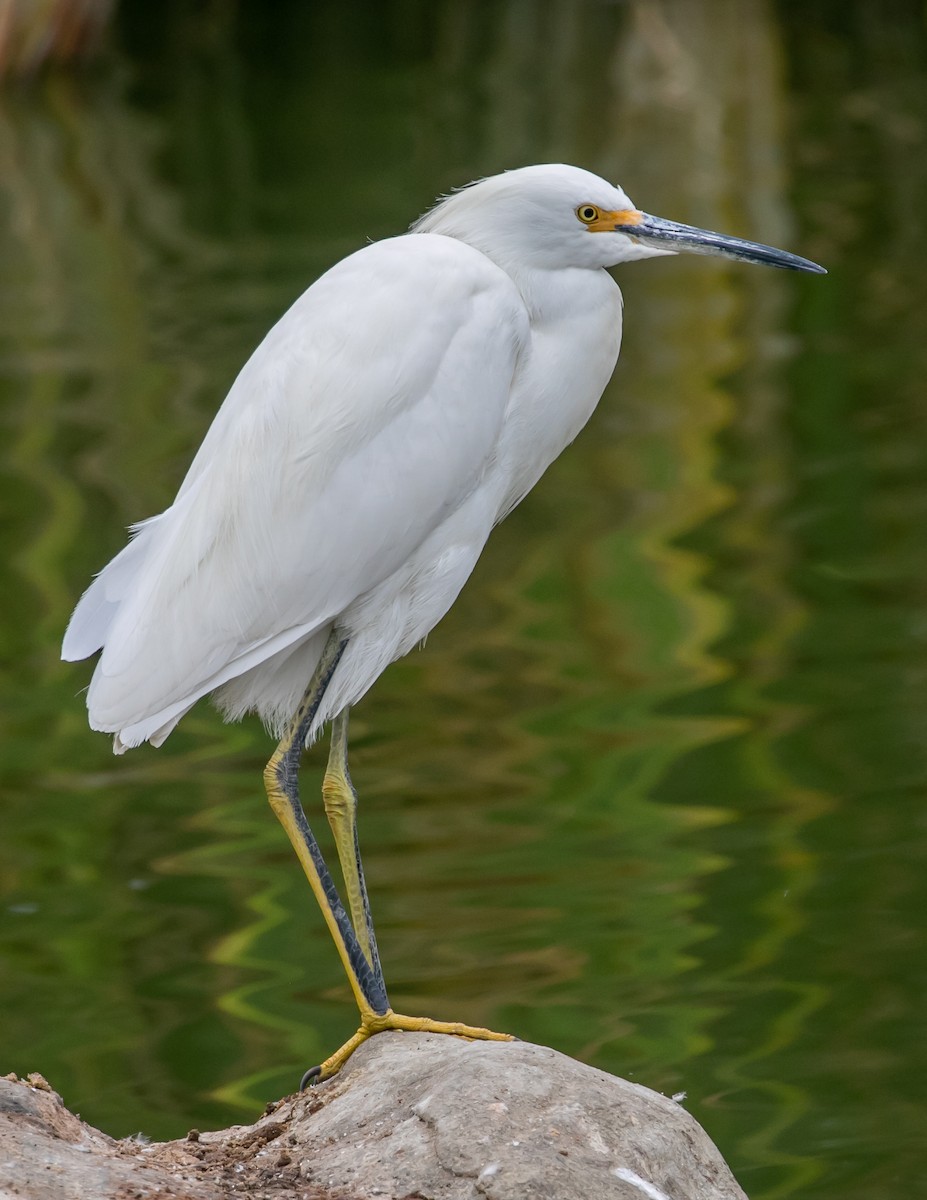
column 367, row 415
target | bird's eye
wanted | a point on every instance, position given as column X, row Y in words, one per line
column 587, row 213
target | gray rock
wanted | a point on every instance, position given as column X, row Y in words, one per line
column 411, row 1117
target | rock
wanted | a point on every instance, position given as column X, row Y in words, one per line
column 411, row 1117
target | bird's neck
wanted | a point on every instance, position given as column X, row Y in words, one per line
column 552, row 296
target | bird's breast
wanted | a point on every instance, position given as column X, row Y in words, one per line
column 561, row 375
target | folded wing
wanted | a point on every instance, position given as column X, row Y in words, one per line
column 369, row 412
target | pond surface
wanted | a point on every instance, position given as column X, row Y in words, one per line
column 653, row 793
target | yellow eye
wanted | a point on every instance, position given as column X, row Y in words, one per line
column 588, row 213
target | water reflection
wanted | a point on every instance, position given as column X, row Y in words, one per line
column 650, row 793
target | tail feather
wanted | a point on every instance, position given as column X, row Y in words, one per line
column 91, row 619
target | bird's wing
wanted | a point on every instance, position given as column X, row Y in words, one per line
column 91, row 619
column 369, row 412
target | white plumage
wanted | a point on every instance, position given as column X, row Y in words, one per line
column 402, row 407
column 339, row 502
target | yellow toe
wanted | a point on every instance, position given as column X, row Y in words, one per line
column 382, row 1022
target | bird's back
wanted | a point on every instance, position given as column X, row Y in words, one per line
column 363, row 420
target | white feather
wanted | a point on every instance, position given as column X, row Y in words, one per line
column 348, row 438
column 405, row 403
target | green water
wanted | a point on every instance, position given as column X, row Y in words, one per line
column 653, row 793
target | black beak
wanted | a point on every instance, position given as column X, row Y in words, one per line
column 688, row 239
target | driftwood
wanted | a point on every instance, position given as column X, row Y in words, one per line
column 411, row 1117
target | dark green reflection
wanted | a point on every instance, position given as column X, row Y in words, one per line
column 652, row 793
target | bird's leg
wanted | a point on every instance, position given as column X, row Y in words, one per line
column 341, row 808
column 357, row 950
column 340, row 800
column 281, row 782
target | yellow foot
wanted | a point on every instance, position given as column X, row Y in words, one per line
column 380, row 1022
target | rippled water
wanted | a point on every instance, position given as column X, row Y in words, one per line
column 653, row 793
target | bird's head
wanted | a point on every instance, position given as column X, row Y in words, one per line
column 556, row 216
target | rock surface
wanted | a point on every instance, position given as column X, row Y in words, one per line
column 411, row 1117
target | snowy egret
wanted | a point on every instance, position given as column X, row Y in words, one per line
column 342, row 496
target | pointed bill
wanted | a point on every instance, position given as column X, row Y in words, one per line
column 688, row 239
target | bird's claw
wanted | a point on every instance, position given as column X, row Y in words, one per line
column 374, row 1023
column 310, row 1077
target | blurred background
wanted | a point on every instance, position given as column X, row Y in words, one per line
column 653, row 793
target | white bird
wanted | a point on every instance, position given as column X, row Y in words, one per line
column 402, row 407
